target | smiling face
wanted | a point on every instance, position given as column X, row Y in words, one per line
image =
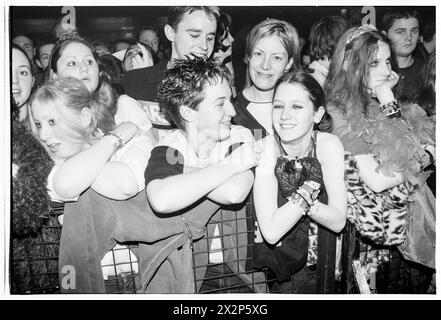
column 54, row 134
column 195, row 34
column 379, row 66
column 22, row 79
column 44, row 53
column 77, row 61
column 293, row 112
column 268, row 61
column 214, row 113
column 149, row 38
column 403, row 35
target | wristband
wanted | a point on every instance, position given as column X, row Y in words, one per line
column 305, row 195
column 391, row 109
column 118, row 136
column 299, row 201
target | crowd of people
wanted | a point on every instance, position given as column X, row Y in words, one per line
column 151, row 142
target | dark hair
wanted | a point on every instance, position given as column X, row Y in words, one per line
column 185, row 84
column 113, row 72
column 14, row 46
column 58, row 50
column 223, row 28
column 398, row 13
column 315, row 93
column 425, row 95
column 324, row 36
column 346, row 84
column 175, row 13
column 147, row 28
column 428, row 29
column 41, row 42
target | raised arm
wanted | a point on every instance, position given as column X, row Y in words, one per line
column 79, row 172
column 274, row 222
column 330, row 153
column 123, row 177
column 180, row 190
column 237, row 188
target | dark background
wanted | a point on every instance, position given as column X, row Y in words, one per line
column 112, row 22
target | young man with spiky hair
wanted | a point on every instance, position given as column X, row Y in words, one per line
column 207, row 159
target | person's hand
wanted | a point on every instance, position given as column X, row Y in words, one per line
column 289, row 174
column 309, row 191
column 383, row 92
column 312, row 169
column 244, row 157
column 126, row 130
column 292, row 174
column 143, row 61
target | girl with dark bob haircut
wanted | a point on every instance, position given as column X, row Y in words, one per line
column 299, row 190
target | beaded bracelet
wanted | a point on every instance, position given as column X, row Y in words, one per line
column 391, row 109
column 298, row 200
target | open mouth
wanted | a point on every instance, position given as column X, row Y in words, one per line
column 287, row 126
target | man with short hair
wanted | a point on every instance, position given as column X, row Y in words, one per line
column 323, row 38
column 43, row 52
column 27, row 44
column 402, row 27
column 191, row 31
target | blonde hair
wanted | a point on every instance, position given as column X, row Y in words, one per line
column 67, row 97
column 285, row 31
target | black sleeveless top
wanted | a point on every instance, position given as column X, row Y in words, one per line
column 288, row 255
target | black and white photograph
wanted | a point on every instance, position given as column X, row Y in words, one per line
column 245, row 150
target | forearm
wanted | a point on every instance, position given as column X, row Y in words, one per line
column 274, row 222
column 328, row 216
column 78, row 173
column 376, row 181
column 235, row 190
column 116, row 181
column 280, row 221
column 180, row 191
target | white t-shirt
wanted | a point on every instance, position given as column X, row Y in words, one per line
column 177, row 140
